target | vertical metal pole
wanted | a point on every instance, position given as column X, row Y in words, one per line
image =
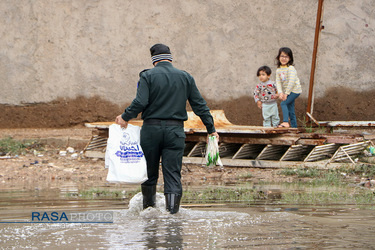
column 318, row 28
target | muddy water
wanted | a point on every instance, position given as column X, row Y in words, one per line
column 220, row 226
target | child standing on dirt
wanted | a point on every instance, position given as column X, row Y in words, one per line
column 288, row 86
column 265, row 96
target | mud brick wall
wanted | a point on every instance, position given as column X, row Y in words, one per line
column 90, row 52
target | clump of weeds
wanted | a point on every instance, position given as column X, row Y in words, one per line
column 222, row 195
column 96, row 193
column 365, row 170
column 9, row 146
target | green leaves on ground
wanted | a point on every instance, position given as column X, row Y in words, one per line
column 9, row 146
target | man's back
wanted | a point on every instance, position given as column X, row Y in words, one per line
column 169, row 88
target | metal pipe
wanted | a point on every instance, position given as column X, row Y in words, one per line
column 318, row 28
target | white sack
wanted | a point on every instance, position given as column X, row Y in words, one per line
column 124, row 156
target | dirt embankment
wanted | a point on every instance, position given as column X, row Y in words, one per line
column 337, row 105
column 61, row 113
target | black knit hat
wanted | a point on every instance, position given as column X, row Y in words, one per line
column 160, row 52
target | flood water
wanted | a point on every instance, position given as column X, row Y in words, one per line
column 217, row 226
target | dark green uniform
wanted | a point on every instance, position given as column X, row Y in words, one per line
column 161, row 97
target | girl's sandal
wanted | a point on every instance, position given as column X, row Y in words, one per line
column 283, row 126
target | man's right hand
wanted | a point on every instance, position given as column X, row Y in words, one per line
column 121, row 122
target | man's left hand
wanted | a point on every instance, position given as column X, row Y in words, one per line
column 213, row 134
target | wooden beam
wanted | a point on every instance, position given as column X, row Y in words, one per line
column 318, row 28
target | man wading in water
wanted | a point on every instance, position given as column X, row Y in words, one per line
column 161, row 97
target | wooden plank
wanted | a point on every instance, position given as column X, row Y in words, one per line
column 95, row 154
column 347, row 123
column 344, row 140
column 247, row 139
column 334, row 138
column 314, row 142
column 266, row 164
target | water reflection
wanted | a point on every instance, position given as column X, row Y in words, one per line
column 236, row 226
column 168, row 235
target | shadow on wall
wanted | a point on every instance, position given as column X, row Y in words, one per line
column 337, row 105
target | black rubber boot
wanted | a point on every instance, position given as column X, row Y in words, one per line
column 149, row 196
column 172, row 202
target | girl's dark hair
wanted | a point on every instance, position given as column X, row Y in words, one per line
column 266, row 69
column 287, row 51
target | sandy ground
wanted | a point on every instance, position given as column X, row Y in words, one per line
column 44, row 166
column 48, row 165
